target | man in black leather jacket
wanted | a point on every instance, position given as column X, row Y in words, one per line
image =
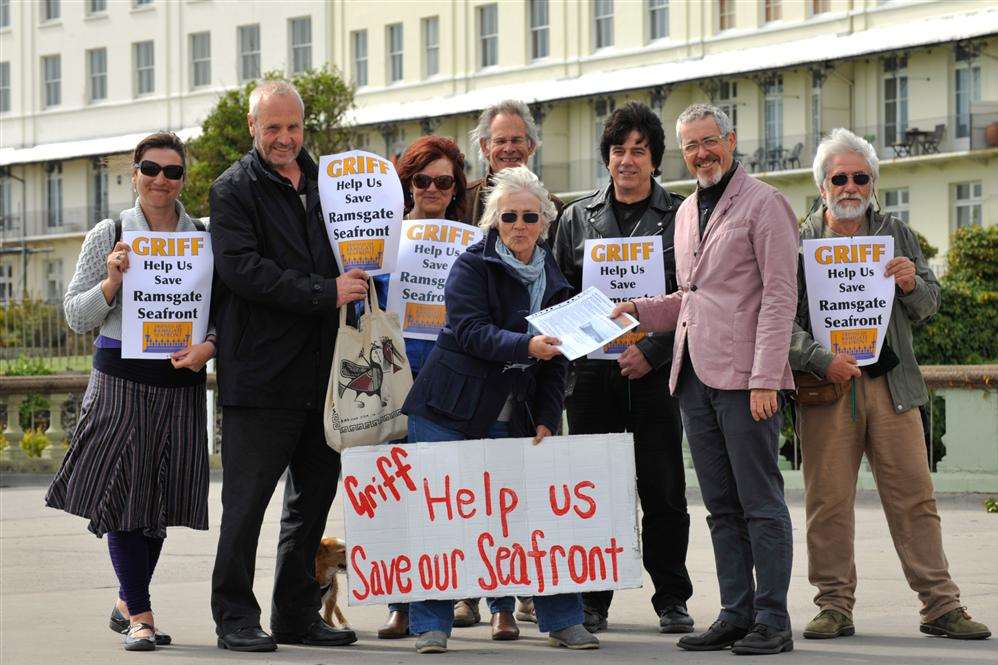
column 632, row 393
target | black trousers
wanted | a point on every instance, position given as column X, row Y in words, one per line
column 258, row 445
column 603, row 401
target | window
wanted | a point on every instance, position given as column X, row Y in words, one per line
column 301, row 43
column 727, row 95
column 53, row 194
column 895, row 99
column 602, row 23
column 100, row 208
column 50, row 10
column 968, row 204
column 139, row 3
column 4, row 87
column 602, row 108
column 4, row 13
column 358, row 40
column 819, row 7
column 896, row 203
column 773, row 119
column 967, row 90
column 658, row 19
column 816, row 82
column 6, row 204
column 725, row 15
column 488, row 36
column 53, row 280
column 52, row 80
column 774, row 11
column 249, row 52
column 145, row 72
column 97, row 74
column 393, row 34
column 6, row 282
column 431, row 46
column 539, row 29
column 96, row 6
column 200, row 59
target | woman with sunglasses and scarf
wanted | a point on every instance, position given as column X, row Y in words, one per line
column 138, row 461
column 489, row 376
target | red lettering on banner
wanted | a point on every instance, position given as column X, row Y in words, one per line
column 578, row 576
column 383, row 577
column 465, row 497
column 537, row 554
column 581, row 496
column 507, row 504
column 492, row 583
column 364, row 502
column 440, row 570
column 360, row 574
column 487, row 484
column 554, row 564
column 555, row 508
column 445, row 499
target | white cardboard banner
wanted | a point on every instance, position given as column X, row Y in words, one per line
column 166, row 292
column 623, row 269
column 849, row 298
column 362, row 208
column 427, row 251
column 500, row 517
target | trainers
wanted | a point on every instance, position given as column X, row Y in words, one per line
column 593, row 621
column 829, row 624
column 433, row 641
column 573, row 637
column 957, row 625
column 675, row 619
column 763, row 639
column 525, row 610
column 466, row 613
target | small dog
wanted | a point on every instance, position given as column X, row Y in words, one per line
column 329, row 560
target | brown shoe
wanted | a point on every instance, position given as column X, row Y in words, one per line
column 504, row 626
column 396, row 627
column 466, row 613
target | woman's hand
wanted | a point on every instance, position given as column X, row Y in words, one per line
column 193, row 357
column 625, row 308
column 542, row 432
column 543, row 347
column 117, row 264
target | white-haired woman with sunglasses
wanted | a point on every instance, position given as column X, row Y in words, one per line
column 138, row 461
column 489, row 376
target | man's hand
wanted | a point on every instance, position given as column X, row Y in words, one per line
column 624, row 308
column 542, row 432
column 543, row 347
column 903, row 271
column 842, row 368
column 193, row 357
column 633, row 363
column 762, row 403
column 351, row 286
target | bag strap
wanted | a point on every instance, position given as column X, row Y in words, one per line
column 370, row 303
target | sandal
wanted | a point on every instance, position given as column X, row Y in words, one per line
column 132, row 643
column 119, row 624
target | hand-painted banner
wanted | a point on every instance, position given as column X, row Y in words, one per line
column 623, row 269
column 496, row 517
column 362, row 206
column 427, row 251
column 849, row 298
column 165, row 293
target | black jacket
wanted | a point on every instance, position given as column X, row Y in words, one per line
column 274, row 296
column 480, row 356
column 592, row 217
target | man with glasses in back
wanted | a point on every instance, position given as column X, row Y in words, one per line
column 879, row 417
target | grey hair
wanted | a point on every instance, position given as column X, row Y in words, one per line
column 695, row 112
column 273, row 88
column 512, row 181
column 506, row 107
column 841, row 141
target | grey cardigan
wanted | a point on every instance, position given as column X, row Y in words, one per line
column 84, row 301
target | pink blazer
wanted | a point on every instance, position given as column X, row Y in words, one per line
column 737, row 292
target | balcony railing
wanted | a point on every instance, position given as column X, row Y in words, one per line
column 75, row 219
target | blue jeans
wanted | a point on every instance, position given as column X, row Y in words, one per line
column 553, row 612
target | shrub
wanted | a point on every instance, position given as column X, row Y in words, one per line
column 34, row 442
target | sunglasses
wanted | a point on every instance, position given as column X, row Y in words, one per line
column 152, row 169
column 859, row 178
column 527, row 217
column 422, row 181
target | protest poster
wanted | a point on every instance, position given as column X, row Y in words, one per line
column 165, row 293
column 490, row 518
column 362, row 208
column 849, row 298
column 427, row 251
column 582, row 323
column 623, row 269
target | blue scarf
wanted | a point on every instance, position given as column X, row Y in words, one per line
column 531, row 275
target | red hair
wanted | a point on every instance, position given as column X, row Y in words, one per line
column 419, row 155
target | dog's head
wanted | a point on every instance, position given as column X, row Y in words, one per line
column 331, row 557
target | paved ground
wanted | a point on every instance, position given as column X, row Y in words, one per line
column 58, row 588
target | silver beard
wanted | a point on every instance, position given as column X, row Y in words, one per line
column 848, row 212
column 712, row 180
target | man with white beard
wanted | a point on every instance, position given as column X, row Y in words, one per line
column 879, row 418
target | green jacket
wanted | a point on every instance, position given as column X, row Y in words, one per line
column 905, row 381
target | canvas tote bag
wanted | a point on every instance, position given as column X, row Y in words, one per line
column 369, row 381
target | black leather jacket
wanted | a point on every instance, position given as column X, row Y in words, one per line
column 592, row 217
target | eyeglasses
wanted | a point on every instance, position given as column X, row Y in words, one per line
column 152, row 169
column 709, row 143
column 859, row 178
column 422, row 181
column 527, row 217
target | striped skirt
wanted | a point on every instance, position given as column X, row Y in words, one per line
column 138, row 459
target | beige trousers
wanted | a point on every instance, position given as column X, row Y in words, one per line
column 832, row 444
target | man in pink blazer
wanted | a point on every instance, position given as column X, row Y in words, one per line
column 736, row 263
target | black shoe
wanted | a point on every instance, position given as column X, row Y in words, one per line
column 675, row 619
column 119, row 624
column 718, row 637
column 593, row 621
column 763, row 639
column 319, row 634
column 250, row 638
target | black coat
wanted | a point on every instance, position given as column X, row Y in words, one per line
column 274, row 296
column 480, row 356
